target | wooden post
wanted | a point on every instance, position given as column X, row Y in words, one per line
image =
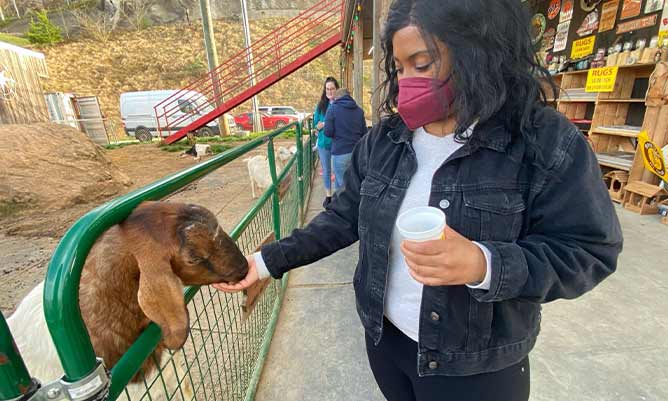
column 348, row 72
column 378, row 74
column 212, row 60
column 358, row 63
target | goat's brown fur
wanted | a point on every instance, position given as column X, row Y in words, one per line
column 135, row 274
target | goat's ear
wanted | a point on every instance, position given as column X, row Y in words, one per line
column 161, row 298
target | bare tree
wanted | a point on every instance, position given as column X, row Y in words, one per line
column 186, row 9
column 136, row 11
column 18, row 14
column 100, row 26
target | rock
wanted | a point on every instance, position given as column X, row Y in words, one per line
column 54, row 166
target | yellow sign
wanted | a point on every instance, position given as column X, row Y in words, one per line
column 663, row 35
column 583, row 47
column 601, row 79
column 652, row 156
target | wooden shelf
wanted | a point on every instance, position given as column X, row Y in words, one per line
column 617, row 160
column 576, row 101
column 625, row 133
column 621, row 100
column 620, row 66
column 638, row 65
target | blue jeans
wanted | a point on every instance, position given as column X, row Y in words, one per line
column 326, row 163
column 340, row 163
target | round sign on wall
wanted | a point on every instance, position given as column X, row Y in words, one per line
column 553, row 9
column 538, row 24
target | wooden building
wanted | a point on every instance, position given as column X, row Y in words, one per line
column 22, row 73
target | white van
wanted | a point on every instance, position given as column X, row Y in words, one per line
column 138, row 115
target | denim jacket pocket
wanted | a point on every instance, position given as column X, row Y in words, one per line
column 494, row 216
column 371, row 190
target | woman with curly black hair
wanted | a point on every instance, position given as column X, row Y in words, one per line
column 529, row 220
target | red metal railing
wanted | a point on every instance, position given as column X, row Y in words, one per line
column 274, row 56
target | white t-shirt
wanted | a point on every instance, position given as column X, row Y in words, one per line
column 403, row 296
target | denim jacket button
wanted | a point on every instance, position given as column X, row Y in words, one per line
column 433, row 365
column 434, row 316
column 444, row 204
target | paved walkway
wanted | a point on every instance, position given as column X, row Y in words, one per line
column 609, row 345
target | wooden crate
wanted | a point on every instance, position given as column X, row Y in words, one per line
column 643, row 198
column 616, row 181
column 252, row 293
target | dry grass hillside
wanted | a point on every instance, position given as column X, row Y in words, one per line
column 170, row 56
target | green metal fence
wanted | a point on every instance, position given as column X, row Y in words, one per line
column 224, row 353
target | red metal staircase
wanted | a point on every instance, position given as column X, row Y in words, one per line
column 275, row 56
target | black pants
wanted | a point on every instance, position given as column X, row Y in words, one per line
column 394, row 366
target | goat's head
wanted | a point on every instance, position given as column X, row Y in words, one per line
column 206, row 253
column 181, row 245
column 284, row 154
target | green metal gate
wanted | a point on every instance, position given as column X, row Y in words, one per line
column 223, row 356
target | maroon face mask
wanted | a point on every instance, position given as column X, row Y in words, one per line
column 424, row 100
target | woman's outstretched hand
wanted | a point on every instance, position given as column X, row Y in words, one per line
column 250, row 279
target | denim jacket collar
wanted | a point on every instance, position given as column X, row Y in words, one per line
column 491, row 134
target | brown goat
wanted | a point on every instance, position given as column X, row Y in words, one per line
column 136, row 271
column 134, row 274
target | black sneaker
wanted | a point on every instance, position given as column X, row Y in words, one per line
column 327, row 201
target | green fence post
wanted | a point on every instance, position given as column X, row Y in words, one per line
column 15, row 381
column 275, row 185
column 300, row 170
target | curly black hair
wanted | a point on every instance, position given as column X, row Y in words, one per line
column 494, row 65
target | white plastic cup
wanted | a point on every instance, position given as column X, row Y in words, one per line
column 424, row 223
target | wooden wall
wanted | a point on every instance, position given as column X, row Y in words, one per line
column 28, row 69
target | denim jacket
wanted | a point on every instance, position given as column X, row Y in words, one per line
column 552, row 233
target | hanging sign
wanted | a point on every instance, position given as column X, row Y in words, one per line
column 608, row 15
column 561, row 39
column 589, row 5
column 652, row 156
column 553, row 9
column 566, row 11
column 601, row 79
column 589, row 24
column 583, row 47
column 548, row 39
column 663, row 26
column 663, row 36
column 653, row 6
column 631, row 8
column 634, row 25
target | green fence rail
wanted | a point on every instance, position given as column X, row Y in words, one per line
column 225, row 351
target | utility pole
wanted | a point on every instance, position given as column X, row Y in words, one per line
column 212, row 60
column 257, row 121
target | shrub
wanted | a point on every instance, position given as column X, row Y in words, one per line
column 43, row 31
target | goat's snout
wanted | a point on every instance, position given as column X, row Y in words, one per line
column 238, row 271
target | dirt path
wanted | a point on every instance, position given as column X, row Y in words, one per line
column 28, row 239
